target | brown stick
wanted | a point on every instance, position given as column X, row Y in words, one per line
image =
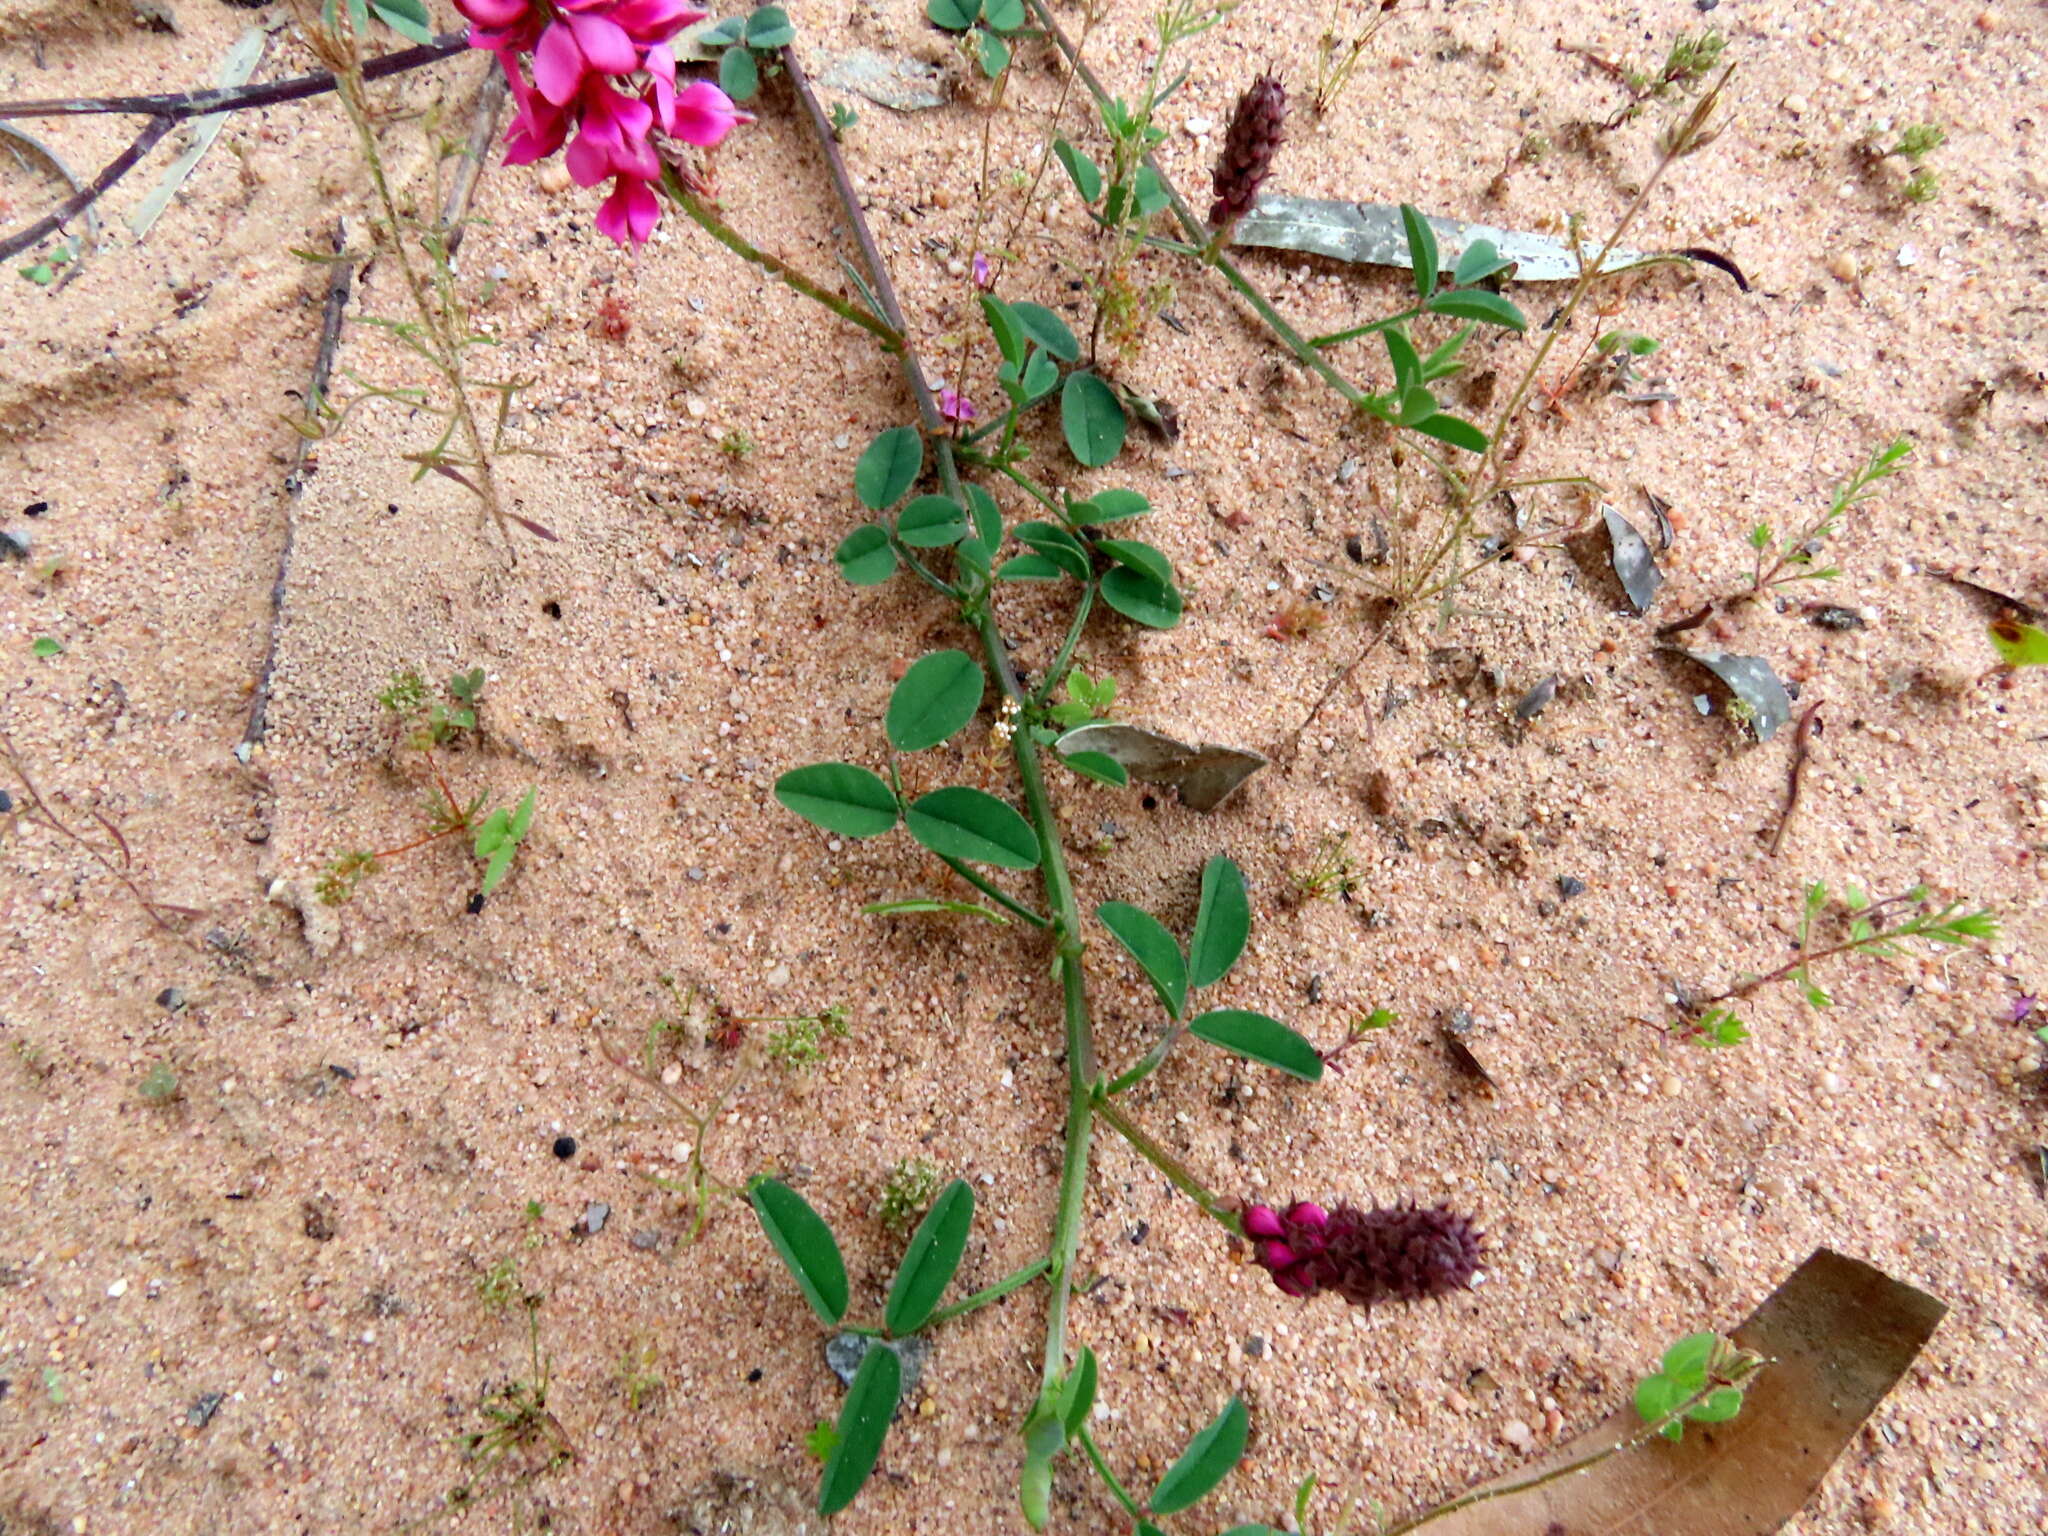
column 483, row 128
column 339, row 280
column 168, row 110
column 1809, row 727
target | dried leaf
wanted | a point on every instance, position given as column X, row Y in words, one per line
column 1457, row 1038
column 891, row 80
column 1633, row 562
column 1206, row 776
column 1371, row 234
column 1751, row 680
column 235, row 70
column 1537, row 699
column 1838, row 1335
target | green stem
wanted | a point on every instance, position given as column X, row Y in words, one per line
column 1058, row 669
column 1131, row 1506
column 1010, row 1282
column 1147, row 1065
column 990, row 890
column 1030, row 488
column 738, row 244
column 1368, row 328
column 1171, row 1166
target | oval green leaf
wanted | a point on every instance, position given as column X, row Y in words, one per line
column 1028, row 568
column 1205, row 1463
column 738, row 75
column 769, row 27
column 995, row 54
column 1008, row 328
column 1450, row 429
column 1057, row 545
column 1111, row 506
column 1040, row 374
column 1083, row 172
column 805, row 1243
column 1479, row 304
column 865, row 556
column 1222, row 923
column 932, row 522
column 1421, row 249
column 1719, row 1407
column 1048, row 330
column 840, row 798
column 863, row 1424
column 408, row 18
column 1657, row 1395
column 930, row 1261
column 2018, row 644
column 1264, row 1040
column 1099, row 766
column 1141, row 599
column 1003, row 15
column 1406, row 360
column 966, row 824
column 987, row 516
column 938, row 695
column 1140, row 557
column 1092, row 420
column 1478, row 261
column 953, row 15
column 1156, row 951
column 888, row 467
column 1077, row 1393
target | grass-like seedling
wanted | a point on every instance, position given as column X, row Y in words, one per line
column 426, row 723
column 1874, row 928
column 1351, row 27
column 1331, row 874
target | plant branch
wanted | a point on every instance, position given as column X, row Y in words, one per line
column 1175, row 1170
column 1131, row 1506
column 1016, row 1280
column 990, row 889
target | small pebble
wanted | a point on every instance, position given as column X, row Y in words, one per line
column 565, row 1147
column 595, row 1215
column 1518, row 1434
column 1842, row 267
column 1829, row 1083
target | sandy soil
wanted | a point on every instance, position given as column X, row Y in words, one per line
column 258, row 1307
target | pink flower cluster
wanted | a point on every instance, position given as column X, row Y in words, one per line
column 583, row 52
column 1387, row 1253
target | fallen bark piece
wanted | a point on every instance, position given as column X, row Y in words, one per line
column 1205, row 775
column 1836, row 1336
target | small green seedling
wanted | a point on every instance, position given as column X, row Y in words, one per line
column 1794, row 557
column 1088, row 700
column 1915, row 143
column 1331, row 873
column 46, row 647
column 43, row 271
column 750, row 44
column 800, row 1042
column 843, row 119
column 1701, row 1381
column 159, row 1086
column 498, row 840
column 907, row 1192
column 737, row 445
column 1874, row 928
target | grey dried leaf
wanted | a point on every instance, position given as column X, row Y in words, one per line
column 1751, row 680
column 891, row 80
column 1633, row 562
column 1206, row 775
column 1371, row 234
column 845, row 1351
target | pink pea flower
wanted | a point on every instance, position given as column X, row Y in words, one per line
column 700, row 113
column 630, row 213
column 611, row 138
column 539, row 127
column 984, row 275
column 647, row 22
column 578, row 45
column 954, row 406
column 1389, row 1253
column 504, row 26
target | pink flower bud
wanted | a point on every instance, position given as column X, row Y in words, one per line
column 1389, row 1253
column 1261, row 1221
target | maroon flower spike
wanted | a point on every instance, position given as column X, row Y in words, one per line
column 1389, row 1253
column 1248, row 150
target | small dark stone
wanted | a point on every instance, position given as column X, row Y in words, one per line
column 551, row 608
column 754, row 1374
column 1255, row 1346
column 565, row 1147
column 476, row 903
column 318, row 1220
column 1537, row 699
column 1355, row 548
column 1139, row 1233
column 1545, row 907
column 346, row 1074
column 35, row 509
column 1150, row 802
column 1838, row 618
column 1569, row 886
column 1315, row 988
column 645, row 1241
column 845, row 1351
column 6, row 802
column 171, row 999
column 203, row 1408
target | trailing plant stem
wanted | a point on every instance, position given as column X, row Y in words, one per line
column 1175, row 1170
column 981, row 1298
